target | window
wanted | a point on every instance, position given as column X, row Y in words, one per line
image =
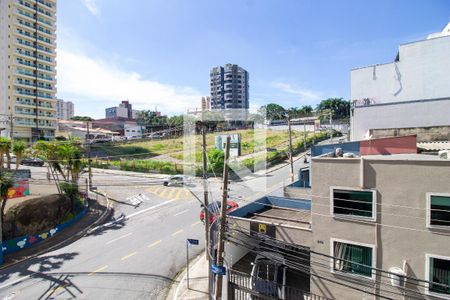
column 352, row 258
column 355, row 203
column 438, row 214
column 438, row 274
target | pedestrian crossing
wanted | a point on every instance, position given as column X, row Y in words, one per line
column 177, row 193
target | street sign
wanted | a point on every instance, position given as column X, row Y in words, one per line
column 192, row 242
column 219, row 270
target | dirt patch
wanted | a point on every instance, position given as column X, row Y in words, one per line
column 36, row 215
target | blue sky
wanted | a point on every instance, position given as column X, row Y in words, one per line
column 159, row 52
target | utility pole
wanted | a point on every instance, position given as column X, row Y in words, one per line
column 291, row 160
column 223, row 215
column 205, row 200
column 331, row 124
column 89, row 155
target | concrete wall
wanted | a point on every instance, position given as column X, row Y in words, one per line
column 424, row 134
column 392, row 145
column 400, row 232
column 400, row 115
column 421, row 73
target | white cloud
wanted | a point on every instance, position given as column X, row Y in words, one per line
column 92, row 6
column 305, row 95
column 103, row 84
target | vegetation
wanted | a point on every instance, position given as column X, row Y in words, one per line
column 81, row 118
column 65, row 161
column 18, row 148
column 339, row 107
column 6, row 181
column 5, row 149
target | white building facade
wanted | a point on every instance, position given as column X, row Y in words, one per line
column 65, row 109
column 27, row 68
column 412, row 91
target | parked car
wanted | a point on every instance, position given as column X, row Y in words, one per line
column 268, row 275
column 214, row 209
column 32, row 161
column 177, row 180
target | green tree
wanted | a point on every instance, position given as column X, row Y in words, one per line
column 6, row 181
column 339, row 107
column 81, row 118
column 216, row 159
column 5, row 148
column 175, row 121
column 273, row 111
column 18, row 148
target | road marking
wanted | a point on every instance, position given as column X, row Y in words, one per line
column 186, row 193
column 157, row 190
column 119, row 238
column 181, row 212
column 170, row 195
column 195, row 223
column 16, row 281
column 154, row 244
column 178, row 194
column 177, row 232
column 98, row 270
column 150, row 208
column 162, row 193
column 128, row 256
column 54, row 290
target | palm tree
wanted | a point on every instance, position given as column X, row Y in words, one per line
column 6, row 181
column 5, row 148
column 18, row 148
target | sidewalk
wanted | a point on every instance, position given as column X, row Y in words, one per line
column 198, row 281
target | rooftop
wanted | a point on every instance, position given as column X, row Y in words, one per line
column 399, row 157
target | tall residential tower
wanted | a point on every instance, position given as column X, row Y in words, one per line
column 229, row 87
column 27, row 68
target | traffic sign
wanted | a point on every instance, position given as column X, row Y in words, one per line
column 192, row 242
column 219, row 270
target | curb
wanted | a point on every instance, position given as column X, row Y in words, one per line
column 179, row 278
column 73, row 238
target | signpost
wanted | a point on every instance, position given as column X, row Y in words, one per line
column 189, row 242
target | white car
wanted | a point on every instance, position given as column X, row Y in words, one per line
column 177, row 180
column 13, row 158
column 268, row 275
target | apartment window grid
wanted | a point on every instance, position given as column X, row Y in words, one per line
column 352, row 258
column 437, row 270
column 438, row 210
column 353, row 203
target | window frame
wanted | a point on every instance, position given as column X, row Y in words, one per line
column 352, row 275
column 428, row 257
column 428, row 208
column 373, row 218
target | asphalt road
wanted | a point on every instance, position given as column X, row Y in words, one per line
column 135, row 257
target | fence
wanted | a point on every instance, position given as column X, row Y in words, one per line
column 240, row 288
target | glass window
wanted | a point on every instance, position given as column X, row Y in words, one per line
column 439, row 276
column 440, row 210
column 355, row 203
column 353, row 259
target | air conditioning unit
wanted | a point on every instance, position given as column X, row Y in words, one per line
column 397, row 276
column 444, row 154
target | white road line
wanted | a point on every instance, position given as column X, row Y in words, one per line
column 119, row 238
column 181, row 212
column 150, row 208
column 16, row 281
column 175, row 296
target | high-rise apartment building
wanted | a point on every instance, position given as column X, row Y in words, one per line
column 229, row 87
column 123, row 111
column 27, row 67
column 65, row 109
column 206, row 103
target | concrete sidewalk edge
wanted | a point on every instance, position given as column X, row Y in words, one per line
column 73, row 238
column 179, row 279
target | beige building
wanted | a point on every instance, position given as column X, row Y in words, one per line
column 65, row 109
column 380, row 214
column 206, row 103
column 27, row 67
